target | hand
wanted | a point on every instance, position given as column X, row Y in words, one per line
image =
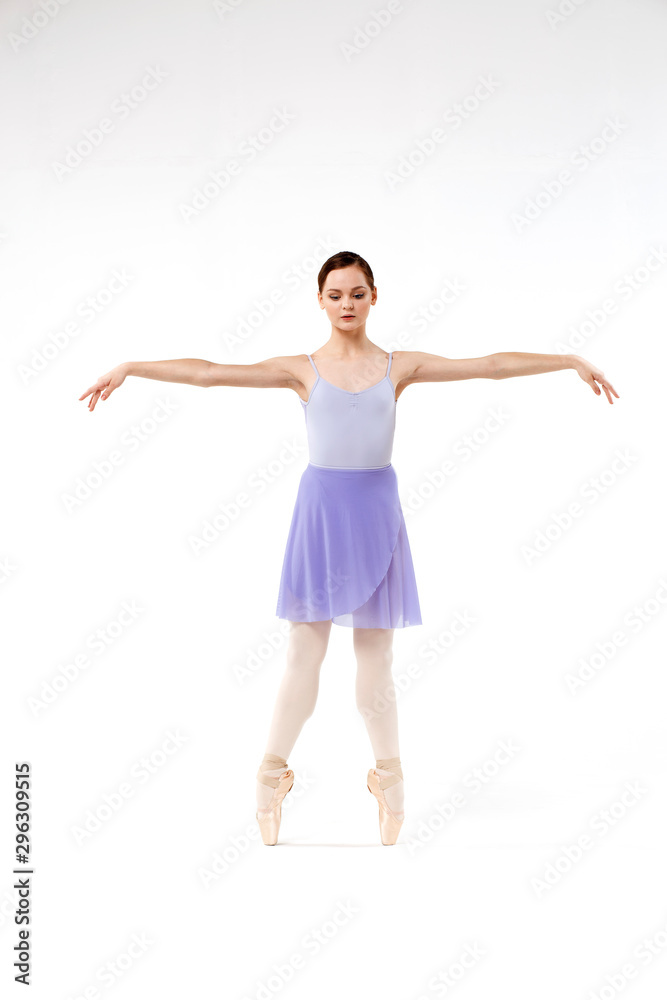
column 105, row 385
column 589, row 373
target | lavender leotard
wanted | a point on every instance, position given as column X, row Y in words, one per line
column 350, row 430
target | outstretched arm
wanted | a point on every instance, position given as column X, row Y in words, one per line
column 272, row 373
column 434, row 368
column 533, row 364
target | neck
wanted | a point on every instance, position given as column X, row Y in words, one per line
column 343, row 346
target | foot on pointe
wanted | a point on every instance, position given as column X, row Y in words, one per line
column 265, row 792
column 393, row 794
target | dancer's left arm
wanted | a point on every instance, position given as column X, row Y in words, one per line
column 419, row 366
column 512, row 363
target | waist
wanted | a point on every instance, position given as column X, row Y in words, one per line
column 350, row 468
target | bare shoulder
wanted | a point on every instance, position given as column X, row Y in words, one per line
column 298, row 370
column 412, row 366
column 286, row 369
column 403, row 364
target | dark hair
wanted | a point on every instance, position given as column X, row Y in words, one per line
column 345, row 258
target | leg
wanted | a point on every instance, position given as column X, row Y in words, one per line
column 376, row 700
column 297, row 695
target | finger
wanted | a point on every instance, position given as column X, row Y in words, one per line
column 603, row 383
column 88, row 391
column 606, row 383
column 608, row 387
column 93, row 400
column 596, row 388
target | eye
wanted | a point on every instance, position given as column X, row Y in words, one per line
column 359, row 295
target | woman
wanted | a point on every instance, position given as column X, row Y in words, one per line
column 347, row 559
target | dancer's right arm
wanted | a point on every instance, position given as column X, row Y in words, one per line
column 270, row 373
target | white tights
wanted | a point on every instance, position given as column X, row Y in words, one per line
column 297, row 696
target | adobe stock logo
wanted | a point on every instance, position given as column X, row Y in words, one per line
column 365, row 33
column 31, row 26
column 562, row 521
column 580, row 159
column 565, row 9
column 219, row 180
column 453, row 117
column 122, row 107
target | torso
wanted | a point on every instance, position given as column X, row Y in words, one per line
column 363, row 375
column 351, row 428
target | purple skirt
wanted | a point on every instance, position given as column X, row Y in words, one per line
column 347, row 556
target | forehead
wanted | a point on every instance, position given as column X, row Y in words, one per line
column 346, row 278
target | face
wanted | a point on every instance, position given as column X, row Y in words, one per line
column 346, row 294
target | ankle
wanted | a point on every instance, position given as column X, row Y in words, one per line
column 391, row 783
column 270, row 769
column 270, row 761
column 390, row 766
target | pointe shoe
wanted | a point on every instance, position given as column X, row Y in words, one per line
column 390, row 824
column 269, row 819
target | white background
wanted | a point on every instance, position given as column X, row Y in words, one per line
column 362, row 98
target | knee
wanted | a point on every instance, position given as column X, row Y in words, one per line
column 374, row 658
column 307, row 661
column 308, row 643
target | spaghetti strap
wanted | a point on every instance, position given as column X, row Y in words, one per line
column 313, row 364
column 389, row 365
